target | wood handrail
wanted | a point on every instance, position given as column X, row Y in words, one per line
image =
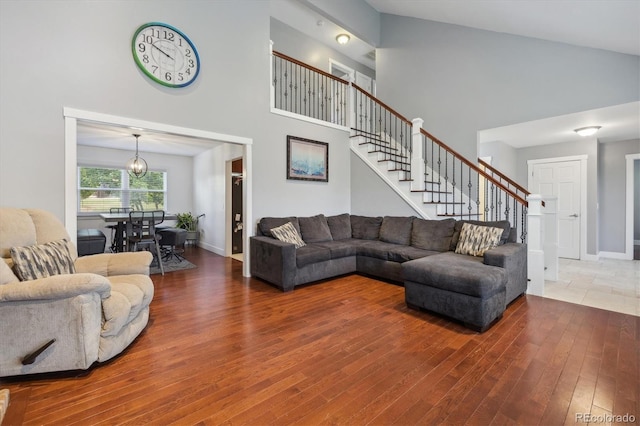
column 503, row 176
column 475, row 168
column 387, row 107
column 309, row 67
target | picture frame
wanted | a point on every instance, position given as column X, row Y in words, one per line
column 307, row 159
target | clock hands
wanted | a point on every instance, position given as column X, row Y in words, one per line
column 162, row 51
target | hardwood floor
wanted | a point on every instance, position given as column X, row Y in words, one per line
column 223, row 349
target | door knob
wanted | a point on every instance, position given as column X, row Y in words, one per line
column 574, row 215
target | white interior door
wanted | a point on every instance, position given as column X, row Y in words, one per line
column 365, row 82
column 562, row 180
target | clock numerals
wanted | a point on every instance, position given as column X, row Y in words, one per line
column 165, row 55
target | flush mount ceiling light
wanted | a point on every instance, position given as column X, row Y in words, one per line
column 137, row 167
column 343, row 38
column 587, row 131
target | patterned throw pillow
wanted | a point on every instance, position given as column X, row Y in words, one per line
column 41, row 261
column 475, row 240
column 288, row 234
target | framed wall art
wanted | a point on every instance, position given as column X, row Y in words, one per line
column 307, row 159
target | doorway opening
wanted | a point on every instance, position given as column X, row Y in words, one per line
column 73, row 117
column 235, row 222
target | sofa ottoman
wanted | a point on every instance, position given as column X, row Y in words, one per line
column 458, row 286
column 91, row 241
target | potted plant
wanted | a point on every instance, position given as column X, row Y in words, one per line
column 188, row 222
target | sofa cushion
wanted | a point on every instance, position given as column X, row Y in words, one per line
column 475, row 240
column 338, row 249
column 375, row 249
column 311, row 254
column 314, row 229
column 43, row 260
column 340, row 226
column 396, row 230
column 432, row 234
column 456, row 273
column 365, row 227
column 503, row 224
column 267, row 223
column 288, row 234
column 405, row 253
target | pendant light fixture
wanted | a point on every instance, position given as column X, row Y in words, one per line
column 136, row 166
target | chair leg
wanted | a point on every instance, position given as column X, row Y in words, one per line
column 159, row 258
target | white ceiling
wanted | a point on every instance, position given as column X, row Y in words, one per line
column 603, row 24
column 99, row 135
column 619, row 123
column 298, row 16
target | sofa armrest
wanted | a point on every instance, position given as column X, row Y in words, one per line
column 110, row 264
column 502, row 255
column 56, row 287
column 274, row 261
column 513, row 258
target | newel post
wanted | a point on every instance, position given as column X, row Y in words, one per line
column 417, row 160
column 535, row 241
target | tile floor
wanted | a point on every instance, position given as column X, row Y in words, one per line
column 608, row 284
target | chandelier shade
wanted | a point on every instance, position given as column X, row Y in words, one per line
column 137, row 166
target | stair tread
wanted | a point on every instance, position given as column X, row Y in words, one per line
column 376, row 151
column 460, row 203
column 431, row 191
column 395, row 161
column 458, row 215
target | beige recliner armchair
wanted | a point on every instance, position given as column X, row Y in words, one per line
column 67, row 321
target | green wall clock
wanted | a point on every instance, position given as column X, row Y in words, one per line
column 165, row 54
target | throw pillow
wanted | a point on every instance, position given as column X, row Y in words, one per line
column 476, row 240
column 365, row 227
column 432, row 234
column 288, row 234
column 41, row 261
column 340, row 226
column 315, row 229
column 396, row 230
column 503, row 224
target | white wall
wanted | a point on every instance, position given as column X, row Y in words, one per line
column 301, row 198
column 209, row 176
column 612, row 176
column 503, row 157
column 636, row 200
column 461, row 80
column 78, row 54
column 299, row 46
column 374, row 197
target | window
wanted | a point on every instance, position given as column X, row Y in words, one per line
column 100, row 189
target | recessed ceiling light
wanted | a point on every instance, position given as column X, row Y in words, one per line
column 587, row 131
column 343, row 38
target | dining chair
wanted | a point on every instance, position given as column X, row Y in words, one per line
column 141, row 233
column 114, row 228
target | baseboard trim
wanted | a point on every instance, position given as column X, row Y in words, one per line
column 615, row 255
column 212, row 248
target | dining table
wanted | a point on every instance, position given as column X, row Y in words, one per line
column 121, row 220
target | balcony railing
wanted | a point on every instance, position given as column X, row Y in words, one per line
column 302, row 89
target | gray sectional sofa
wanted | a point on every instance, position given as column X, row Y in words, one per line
column 418, row 253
